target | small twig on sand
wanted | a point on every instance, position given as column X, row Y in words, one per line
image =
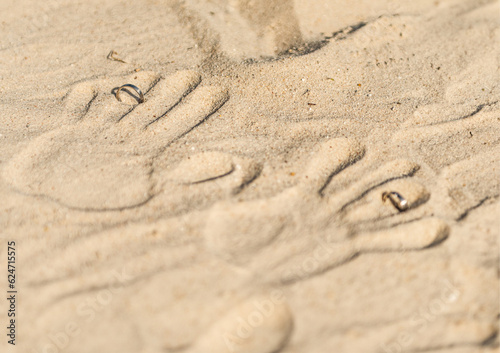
column 111, row 56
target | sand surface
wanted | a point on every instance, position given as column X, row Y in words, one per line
column 240, row 208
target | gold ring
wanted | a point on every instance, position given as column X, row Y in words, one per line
column 396, row 199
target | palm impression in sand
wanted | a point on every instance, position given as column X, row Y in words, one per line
column 258, row 235
column 357, row 218
column 105, row 159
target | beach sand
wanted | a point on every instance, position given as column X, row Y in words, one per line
column 303, row 176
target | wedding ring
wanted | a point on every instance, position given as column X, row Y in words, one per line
column 135, row 88
column 396, row 199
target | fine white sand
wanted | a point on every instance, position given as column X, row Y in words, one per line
column 240, row 208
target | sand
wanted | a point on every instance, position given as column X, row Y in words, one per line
column 240, row 208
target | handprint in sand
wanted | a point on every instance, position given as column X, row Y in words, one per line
column 104, row 160
column 269, row 237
